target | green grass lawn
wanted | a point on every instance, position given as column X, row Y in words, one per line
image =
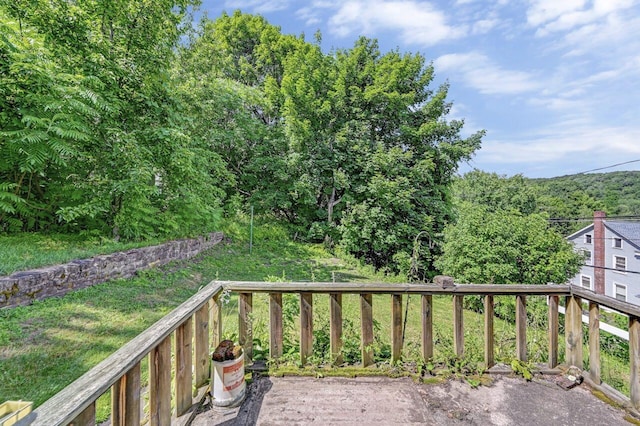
column 30, row 250
column 45, row 346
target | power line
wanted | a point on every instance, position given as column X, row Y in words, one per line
column 613, row 238
column 590, row 219
column 626, row 271
column 609, row 167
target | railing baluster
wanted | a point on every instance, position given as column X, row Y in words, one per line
column 634, row 357
column 335, row 300
column 87, row 417
column 488, row 332
column 160, row 384
column 275, row 325
column 521, row 327
column 366, row 314
column 396, row 327
column 306, row 326
column 573, row 331
column 458, row 325
column 427, row 327
column 594, row 342
column 245, row 330
column 553, row 331
column 125, row 399
column 184, row 365
column 215, row 318
column 202, row 345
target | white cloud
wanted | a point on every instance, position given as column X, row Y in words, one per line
column 566, row 141
column 614, row 35
column 417, row 22
column 480, row 73
column 552, row 16
column 258, row 6
column 483, row 26
column 543, row 11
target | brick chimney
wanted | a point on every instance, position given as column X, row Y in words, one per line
column 598, row 250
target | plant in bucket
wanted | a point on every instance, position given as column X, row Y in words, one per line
column 227, row 371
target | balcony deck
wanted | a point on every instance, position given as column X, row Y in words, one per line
column 178, row 346
column 386, row 401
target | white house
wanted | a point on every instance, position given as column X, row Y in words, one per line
column 612, row 258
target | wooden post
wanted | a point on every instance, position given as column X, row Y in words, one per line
column 202, row 359
column 427, row 327
column 275, row 325
column 335, row 300
column 87, row 417
column 215, row 319
column 184, row 367
column 125, row 399
column 573, row 331
column 245, row 331
column 396, row 327
column 594, row 342
column 553, row 331
column 458, row 325
column 488, row 332
column 521, row 327
column 160, row 384
column 634, row 355
column 306, row 326
column 366, row 314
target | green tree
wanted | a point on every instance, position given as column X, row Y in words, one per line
column 496, row 193
column 135, row 168
column 228, row 78
column 45, row 117
column 374, row 150
column 323, row 140
column 505, row 247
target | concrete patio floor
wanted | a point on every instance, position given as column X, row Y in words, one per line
column 386, row 401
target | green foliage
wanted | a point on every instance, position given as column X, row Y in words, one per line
column 496, row 193
column 578, row 196
column 351, row 148
column 505, row 248
column 522, row 368
column 92, row 131
column 617, row 193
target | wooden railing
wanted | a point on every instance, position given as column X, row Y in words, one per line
column 121, row 371
column 75, row 404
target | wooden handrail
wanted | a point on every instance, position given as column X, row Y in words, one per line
column 386, row 288
column 71, row 402
column 611, row 303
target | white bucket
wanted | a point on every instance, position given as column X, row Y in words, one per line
column 228, row 381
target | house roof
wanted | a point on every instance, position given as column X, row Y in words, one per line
column 630, row 231
column 580, row 232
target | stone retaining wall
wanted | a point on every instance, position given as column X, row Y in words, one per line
column 22, row 288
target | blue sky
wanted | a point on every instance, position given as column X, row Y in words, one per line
column 555, row 83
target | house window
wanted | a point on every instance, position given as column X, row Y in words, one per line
column 585, row 281
column 587, row 257
column 617, row 243
column 587, row 239
column 620, row 263
column 620, row 291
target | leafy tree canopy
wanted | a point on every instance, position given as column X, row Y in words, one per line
column 505, row 247
column 351, row 147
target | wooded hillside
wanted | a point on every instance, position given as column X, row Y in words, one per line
column 617, row 193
